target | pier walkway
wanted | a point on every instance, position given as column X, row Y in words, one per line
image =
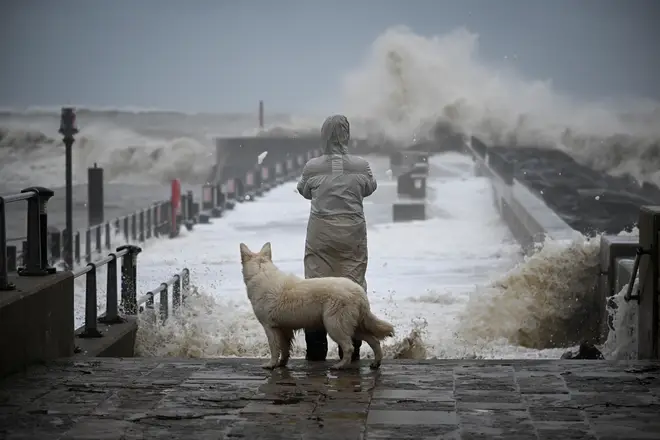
column 149, row 398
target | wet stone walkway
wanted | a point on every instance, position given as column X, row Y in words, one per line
column 108, row 399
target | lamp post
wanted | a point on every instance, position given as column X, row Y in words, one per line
column 68, row 128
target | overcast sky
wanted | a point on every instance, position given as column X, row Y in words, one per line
column 204, row 55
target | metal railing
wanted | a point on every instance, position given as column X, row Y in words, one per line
column 136, row 227
column 126, row 303
column 35, row 262
column 180, row 283
column 128, row 254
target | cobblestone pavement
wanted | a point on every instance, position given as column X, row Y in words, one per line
column 141, row 398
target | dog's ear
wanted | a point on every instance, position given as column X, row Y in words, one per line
column 245, row 252
column 266, row 251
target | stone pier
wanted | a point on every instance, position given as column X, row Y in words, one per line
column 144, row 398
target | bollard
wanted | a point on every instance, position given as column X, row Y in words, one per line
column 258, row 181
column 95, row 204
column 129, row 279
column 220, row 202
column 36, row 263
column 190, row 199
column 176, row 208
column 265, row 178
column 249, row 194
column 90, row 330
column 111, row 309
column 229, row 191
column 405, row 212
column 412, row 185
column 279, row 173
column 208, row 197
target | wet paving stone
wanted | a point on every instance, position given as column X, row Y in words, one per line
column 131, row 399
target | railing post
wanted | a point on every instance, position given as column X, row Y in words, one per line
column 129, row 278
column 88, row 246
column 141, row 219
column 148, row 232
column 4, row 277
column 99, row 247
column 185, row 285
column 157, row 219
column 126, row 235
column 150, row 304
column 176, row 293
column 90, row 330
column 37, row 233
column 108, row 240
column 164, row 306
column 111, row 306
column 133, row 228
column 77, row 250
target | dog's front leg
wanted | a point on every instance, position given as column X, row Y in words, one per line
column 274, row 348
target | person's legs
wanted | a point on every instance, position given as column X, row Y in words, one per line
column 316, row 339
column 356, row 351
column 317, row 345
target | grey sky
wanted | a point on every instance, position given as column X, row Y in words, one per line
column 203, row 55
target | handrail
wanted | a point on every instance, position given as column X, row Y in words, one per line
column 129, row 304
column 36, row 261
column 128, row 254
column 180, row 283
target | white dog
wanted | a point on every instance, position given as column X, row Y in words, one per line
column 284, row 303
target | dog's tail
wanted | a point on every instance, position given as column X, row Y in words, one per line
column 376, row 327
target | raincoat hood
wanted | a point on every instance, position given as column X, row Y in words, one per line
column 335, row 134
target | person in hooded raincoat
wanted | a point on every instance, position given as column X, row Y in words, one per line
column 336, row 243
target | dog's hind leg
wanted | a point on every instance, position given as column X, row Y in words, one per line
column 374, row 343
column 284, row 340
column 342, row 338
column 274, row 348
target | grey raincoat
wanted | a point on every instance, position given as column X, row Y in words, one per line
column 336, row 183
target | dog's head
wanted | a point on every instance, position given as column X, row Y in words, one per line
column 252, row 262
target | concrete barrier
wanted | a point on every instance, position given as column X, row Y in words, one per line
column 527, row 216
column 531, row 221
column 118, row 340
column 405, row 211
column 36, row 321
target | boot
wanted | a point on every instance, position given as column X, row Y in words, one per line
column 356, row 351
column 317, row 345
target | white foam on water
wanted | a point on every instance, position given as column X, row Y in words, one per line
column 438, row 281
column 621, row 343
